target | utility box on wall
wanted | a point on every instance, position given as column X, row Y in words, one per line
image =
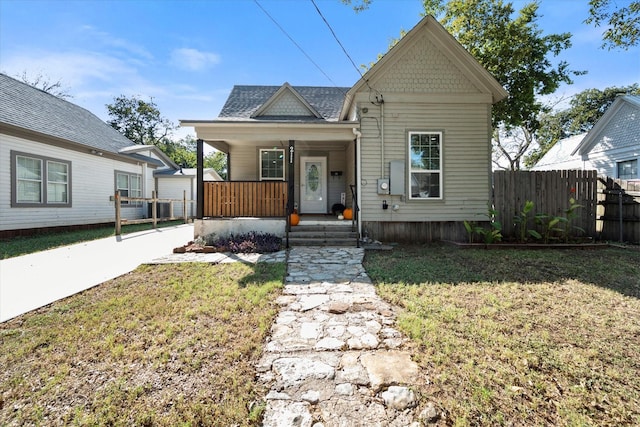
column 396, row 177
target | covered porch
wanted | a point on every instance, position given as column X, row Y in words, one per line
column 276, row 168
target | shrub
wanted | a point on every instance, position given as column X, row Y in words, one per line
column 248, row 243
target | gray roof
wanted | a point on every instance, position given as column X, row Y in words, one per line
column 32, row 109
column 243, row 101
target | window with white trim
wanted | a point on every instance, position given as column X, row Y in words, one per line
column 272, row 164
column 129, row 185
column 425, row 165
column 39, row 181
column 628, row 169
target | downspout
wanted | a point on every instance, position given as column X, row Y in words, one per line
column 358, row 134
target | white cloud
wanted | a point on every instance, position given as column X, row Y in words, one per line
column 124, row 45
column 193, row 59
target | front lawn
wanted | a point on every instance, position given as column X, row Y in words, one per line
column 164, row 345
column 529, row 338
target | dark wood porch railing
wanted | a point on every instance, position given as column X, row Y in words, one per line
column 245, row 198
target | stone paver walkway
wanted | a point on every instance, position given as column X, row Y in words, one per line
column 334, row 357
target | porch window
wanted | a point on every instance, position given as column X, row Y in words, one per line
column 39, row 181
column 628, row 169
column 129, row 185
column 425, row 165
column 272, row 164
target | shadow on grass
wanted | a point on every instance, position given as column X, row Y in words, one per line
column 264, row 272
column 612, row 268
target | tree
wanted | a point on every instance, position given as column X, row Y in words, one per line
column 218, row 162
column 585, row 109
column 623, row 23
column 45, row 84
column 516, row 53
column 182, row 152
column 138, row 120
column 358, row 5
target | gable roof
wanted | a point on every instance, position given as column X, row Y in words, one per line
column 560, row 155
column 25, row 107
column 246, row 103
column 619, row 125
column 444, row 42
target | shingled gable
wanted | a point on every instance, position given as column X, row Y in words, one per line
column 286, row 102
column 444, row 50
column 621, row 119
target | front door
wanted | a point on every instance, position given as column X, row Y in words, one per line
column 313, row 185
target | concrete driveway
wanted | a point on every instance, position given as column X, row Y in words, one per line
column 32, row 281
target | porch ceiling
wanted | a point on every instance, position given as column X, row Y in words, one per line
column 224, row 134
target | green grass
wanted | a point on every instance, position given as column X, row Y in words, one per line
column 164, row 345
column 521, row 337
column 23, row 245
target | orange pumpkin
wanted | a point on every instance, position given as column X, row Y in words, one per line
column 294, row 218
column 348, row 213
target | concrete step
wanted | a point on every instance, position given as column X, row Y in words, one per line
column 320, row 241
column 323, row 235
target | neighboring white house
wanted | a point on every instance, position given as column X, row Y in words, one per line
column 612, row 146
column 60, row 165
column 559, row 156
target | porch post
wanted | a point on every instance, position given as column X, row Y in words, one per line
column 290, row 185
column 200, row 179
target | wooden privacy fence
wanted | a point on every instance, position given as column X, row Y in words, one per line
column 154, row 217
column 245, row 199
column 618, row 210
column 550, row 192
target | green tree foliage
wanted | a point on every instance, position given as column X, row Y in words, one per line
column 182, row 152
column 515, row 51
column 218, row 162
column 139, row 120
column 585, row 109
column 622, row 22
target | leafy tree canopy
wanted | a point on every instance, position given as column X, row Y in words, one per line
column 139, row 120
column 622, row 22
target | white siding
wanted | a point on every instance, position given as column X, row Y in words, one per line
column 92, row 184
column 174, row 188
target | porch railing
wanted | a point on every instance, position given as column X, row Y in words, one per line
column 245, row 199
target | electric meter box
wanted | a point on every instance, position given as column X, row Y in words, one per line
column 383, row 185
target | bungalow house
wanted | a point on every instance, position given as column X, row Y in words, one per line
column 407, row 148
column 612, row 146
column 60, row 165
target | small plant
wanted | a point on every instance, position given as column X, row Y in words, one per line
column 570, row 216
column 492, row 234
column 521, row 222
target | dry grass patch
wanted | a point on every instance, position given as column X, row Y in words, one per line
column 164, row 345
column 521, row 337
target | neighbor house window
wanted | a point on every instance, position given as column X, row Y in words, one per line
column 39, row 181
column 425, row 165
column 628, row 169
column 272, row 164
column 129, row 185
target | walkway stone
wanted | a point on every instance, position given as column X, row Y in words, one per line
column 334, row 357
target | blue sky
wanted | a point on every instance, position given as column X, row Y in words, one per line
column 188, row 54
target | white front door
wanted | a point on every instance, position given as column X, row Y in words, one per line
column 313, row 185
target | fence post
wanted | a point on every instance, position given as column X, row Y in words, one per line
column 118, row 214
column 184, row 206
column 154, row 209
column 620, row 221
